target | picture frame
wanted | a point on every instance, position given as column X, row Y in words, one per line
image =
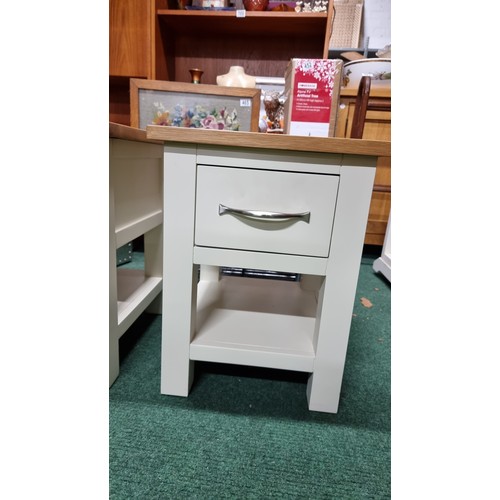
column 158, row 102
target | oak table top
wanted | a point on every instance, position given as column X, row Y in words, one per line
column 269, row 141
column 158, row 134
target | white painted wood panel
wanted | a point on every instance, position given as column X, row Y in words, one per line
column 135, row 208
column 257, row 260
column 270, row 160
column 138, row 188
column 264, row 190
column 179, row 277
column 338, row 290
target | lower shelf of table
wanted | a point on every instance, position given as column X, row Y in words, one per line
column 255, row 322
column 135, row 293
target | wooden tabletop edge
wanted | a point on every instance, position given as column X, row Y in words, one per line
column 270, row 141
column 120, row 131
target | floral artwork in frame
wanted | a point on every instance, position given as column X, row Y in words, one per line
column 188, row 105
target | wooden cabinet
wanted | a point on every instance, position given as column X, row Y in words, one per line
column 377, row 127
column 130, row 38
column 133, row 51
column 150, row 40
column 261, row 42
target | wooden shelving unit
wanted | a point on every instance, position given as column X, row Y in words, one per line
column 149, row 40
column 227, row 23
column 261, row 42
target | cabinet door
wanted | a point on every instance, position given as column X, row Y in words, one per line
column 130, row 37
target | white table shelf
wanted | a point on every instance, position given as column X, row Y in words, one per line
column 255, row 322
column 132, row 229
column 134, row 294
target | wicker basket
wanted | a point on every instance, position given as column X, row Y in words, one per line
column 346, row 24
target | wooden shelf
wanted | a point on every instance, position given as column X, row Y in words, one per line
column 262, row 42
column 255, row 322
column 225, row 23
column 135, row 293
column 133, row 229
column 149, row 40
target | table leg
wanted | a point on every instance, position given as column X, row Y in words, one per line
column 337, row 294
column 180, row 275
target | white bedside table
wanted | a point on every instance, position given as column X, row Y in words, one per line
column 281, row 203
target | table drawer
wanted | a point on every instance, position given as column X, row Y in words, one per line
column 263, row 210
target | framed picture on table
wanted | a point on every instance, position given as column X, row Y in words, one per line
column 177, row 104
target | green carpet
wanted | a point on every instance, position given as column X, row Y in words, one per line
column 246, row 433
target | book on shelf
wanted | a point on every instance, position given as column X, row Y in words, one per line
column 312, row 87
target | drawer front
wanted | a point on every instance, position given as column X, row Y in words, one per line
column 291, row 212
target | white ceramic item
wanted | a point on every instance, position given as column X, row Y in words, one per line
column 378, row 68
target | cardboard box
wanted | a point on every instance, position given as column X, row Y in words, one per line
column 312, row 87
